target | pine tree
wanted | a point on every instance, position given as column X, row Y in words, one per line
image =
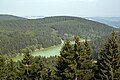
column 74, row 61
column 108, row 65
column 38, row 68
column 25, row 71
column 11, row 70
column 64, row 71
column 46, row 74
column 83, row 59
column 86, row 62
column 3, row 68
column 30, row 68
column 78, row 50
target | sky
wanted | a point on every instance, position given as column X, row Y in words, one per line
column 87, row 8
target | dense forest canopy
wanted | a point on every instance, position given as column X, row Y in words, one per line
column 10, row 17
column 74, row 63
column 17, row 33
column 96, row 59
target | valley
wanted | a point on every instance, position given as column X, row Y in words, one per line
column 59, row 39
column 46, row 52
column 17, row 33
column 34, row 49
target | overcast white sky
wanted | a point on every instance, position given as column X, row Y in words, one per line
column 104, row 8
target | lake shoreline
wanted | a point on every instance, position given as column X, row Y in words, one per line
column 46, row 52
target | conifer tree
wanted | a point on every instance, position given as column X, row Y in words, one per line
column 108, row 65
column 63, row 63
column 25, row 71
column 3, row 68
column 46, row 74
column 38, row 68
column 78, row 50
column 11, row 72
column 74, row 61
column 86, row 62
column 83, row 59
column 30, row 68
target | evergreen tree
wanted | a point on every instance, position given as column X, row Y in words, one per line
column 74, row 61
column 25, row 69
column 86, row 63
column 78, row 50
column 38, row 68
column 83, row 60
column 30, row 68
column 3, row 68
column 64, row 71
column 11, row 73
column 47, row 74
column 108, row 65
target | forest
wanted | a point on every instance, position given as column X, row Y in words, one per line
column 74, row 63
column 17, row 33
column 97, row 58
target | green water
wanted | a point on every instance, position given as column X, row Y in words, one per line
column 47, row 52
column 51, row 51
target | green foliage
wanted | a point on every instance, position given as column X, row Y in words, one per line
column 32, row 68
column 108, row 65
column 19, row 34
column 86, row 63
column 3, row 68
column 84, row 60
column 11, row 72
column 5, row 17
column 63, row 63
column 75, row 61
column 26, row 69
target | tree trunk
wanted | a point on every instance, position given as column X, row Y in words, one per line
column 75, row 78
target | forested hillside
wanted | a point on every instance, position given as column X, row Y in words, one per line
column 112, row 21
column 10, row 17
column 74, row 63
column 18, row 33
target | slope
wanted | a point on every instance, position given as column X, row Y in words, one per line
column 41, row 33
column 113, row 21
column 10, row 17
